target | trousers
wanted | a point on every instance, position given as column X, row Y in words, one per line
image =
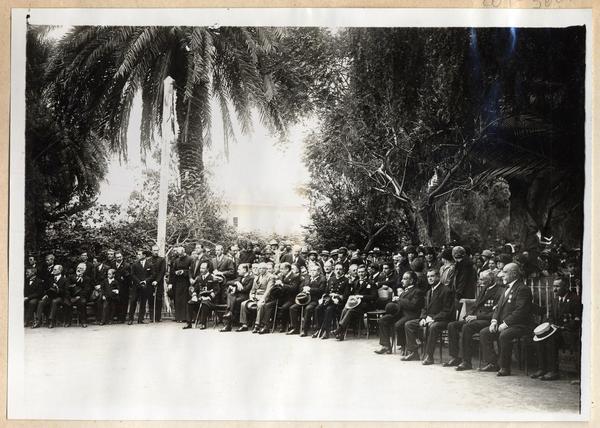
column 456, row 341
column 504, row 339
column 414, row 330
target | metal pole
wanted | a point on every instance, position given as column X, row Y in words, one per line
column 167, row 135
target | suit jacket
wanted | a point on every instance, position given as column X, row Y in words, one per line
column 411, row 301
column 57, row 288
column 317, row 286
column 100, row 273
column 35, row 287
column 447, row 273
column 247, row 283
column 159, row 268
column 465, row 279
column 194, row 269
column 515, row 308
column 484, row 306
column 123, row 274
column 289, row 258
column 566, row 312
column 141, row 274
column 439, row 303
column 78, row 287
column 262, row 286
column 368, row 290
column 391, row 281
column 109, row 289
column 291, row 287
column 225, row 265
column 338, row 286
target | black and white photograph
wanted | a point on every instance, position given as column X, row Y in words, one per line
column 300, row 214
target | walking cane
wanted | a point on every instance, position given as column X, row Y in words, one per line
column 154, row 311
column 302, row 320
column 198, row 315
column 274, row 316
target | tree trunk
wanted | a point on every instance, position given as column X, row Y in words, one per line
column 190, row 142
column 374, row 236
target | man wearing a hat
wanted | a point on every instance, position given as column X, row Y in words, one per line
column 478, row 317
column 333, row 256
column 486, row 255
column 343, row 258
column 511, row 319
column 314, row 285
column 324, row 257
column 561, row 329
column 366, row 292
column 313, row 259
column 404, row 307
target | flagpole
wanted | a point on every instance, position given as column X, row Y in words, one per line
column 167, row 134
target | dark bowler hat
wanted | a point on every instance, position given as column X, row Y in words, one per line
column 544, row 331
column 392, row 308
column 252, row 305
column 302, row 298
column 277, row 291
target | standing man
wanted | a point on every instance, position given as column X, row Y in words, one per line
column 511, row 319
column 479, row 317
column 123, row 276
column 159, row 268
column 404, row 307
column 465, row 276
column 35, row 288
column 179, row 274
column 223, row 271
column 435, row 315
column 294, row 257
column 141, row 274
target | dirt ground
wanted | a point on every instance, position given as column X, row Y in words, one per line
column 163, row 372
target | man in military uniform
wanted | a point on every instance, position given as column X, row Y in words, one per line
column 511, row 319
column 564, row 330
column 203, row 295
column 332, row 302
column 367, row 293
column 478, row 318
column 404, row 307
column 435, row 315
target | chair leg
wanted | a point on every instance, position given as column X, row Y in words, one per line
column 274, row 317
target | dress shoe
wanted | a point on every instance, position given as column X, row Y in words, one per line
column 325, row 335
column 463, row 366
column 67, row 324
column 102, row 323
column 51, row 324
column 243, row 328
column 185, row 327
column 489, row 368
column 129, row 322
column 35, row 325
column 303, row 334
column 256, row 329
column 452, row 363
column 316, row 334
column 412, row 356
column 202, row 326
column 141, row 322
column 226, row 328
column 538, row 374
column 427, row 361
column 83, row 325
column 340, row 337
column 503, row 372
column 550, row 376
column 384, row 350
column 263, row 330
column 283, row 330
column 227, row 315
column 293, row 331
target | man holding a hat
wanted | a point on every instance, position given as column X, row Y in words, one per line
column 314, row 285
column 561, row 329
column 333, row 301
column 282, row 294
column 511, row 319
column 364, row 295
column 259, row 294
column 479, row 317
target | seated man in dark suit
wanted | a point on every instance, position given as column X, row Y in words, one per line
column 283, row 294
column 78, row 293
column 435, row 315
column 364, row 290
column 238, row 291
column 35, row 288
column 477, row 318
column 110, row 296
column 53, row 296
column 204, row 294
column 564, row 331
column 512, row 318
column 403, row 308
column 332, row 302
column 315, row 285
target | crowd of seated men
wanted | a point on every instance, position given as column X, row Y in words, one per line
column 417, row 293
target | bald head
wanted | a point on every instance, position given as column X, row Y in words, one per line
column 511, row 273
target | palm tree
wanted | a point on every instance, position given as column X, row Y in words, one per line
column 97, row 71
